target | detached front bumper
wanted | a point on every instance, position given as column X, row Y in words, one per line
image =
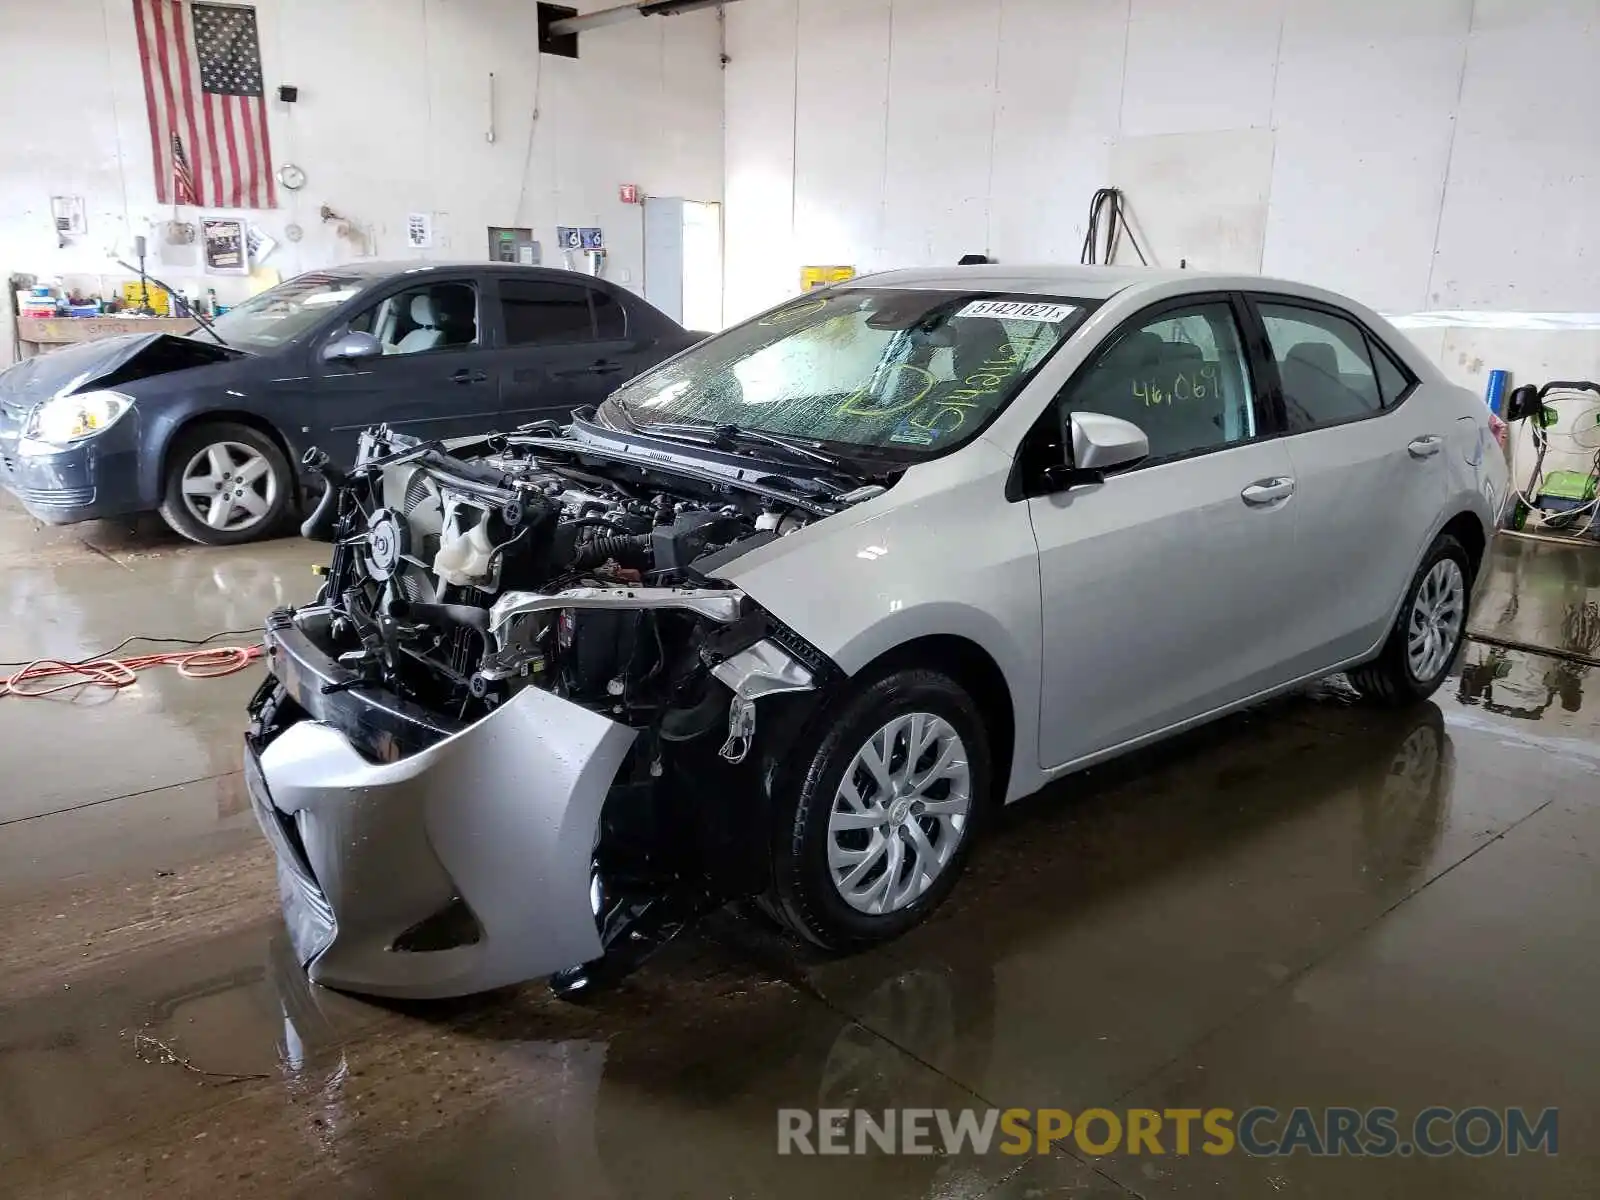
column 454, row 868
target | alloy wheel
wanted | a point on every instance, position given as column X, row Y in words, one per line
column 1438, row 614
column 900, row 813
column 229, row 486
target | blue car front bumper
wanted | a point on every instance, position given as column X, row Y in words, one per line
column 97, row 478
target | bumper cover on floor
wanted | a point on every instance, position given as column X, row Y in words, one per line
column 501, row 817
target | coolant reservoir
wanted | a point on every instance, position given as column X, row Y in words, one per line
column 463, row 560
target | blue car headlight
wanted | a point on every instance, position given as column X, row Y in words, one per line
column 67, row 420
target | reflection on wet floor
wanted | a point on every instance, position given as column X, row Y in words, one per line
column 1540, row 594
column 1536, row 594
column 1310, row 903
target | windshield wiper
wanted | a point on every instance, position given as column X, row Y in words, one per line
column 732, row 437
column 167, row 288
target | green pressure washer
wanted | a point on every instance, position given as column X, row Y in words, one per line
column 1565, row 498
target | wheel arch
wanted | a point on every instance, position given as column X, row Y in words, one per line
column 1467, row 528
column 227, row 416
column 975, row 669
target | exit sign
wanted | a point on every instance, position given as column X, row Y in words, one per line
column 628, row 193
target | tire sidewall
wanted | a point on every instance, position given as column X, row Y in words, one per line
column 176, row 513
column 801, row 871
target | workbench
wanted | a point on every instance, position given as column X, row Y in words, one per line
column 39, row 334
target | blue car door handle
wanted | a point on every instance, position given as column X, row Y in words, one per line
column 466, row 376
column 603, row 367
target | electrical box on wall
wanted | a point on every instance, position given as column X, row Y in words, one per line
column 513, row 244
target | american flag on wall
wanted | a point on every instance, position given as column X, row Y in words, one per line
column 207, row 106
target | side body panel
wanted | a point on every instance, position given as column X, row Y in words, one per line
column 1368, row 506
column 1163, row 595
column 942, row 553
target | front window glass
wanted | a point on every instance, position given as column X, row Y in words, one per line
column 903, row 372
column 431, row 316
column 1180, row 377
column 280, row 314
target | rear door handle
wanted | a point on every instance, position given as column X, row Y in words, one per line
column 1426, row 446
column 466, row 376
column 1268, row 491
column 600, row 368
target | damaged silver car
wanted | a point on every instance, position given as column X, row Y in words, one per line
column 788, row 615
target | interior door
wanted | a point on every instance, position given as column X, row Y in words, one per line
column 435, row 378
column 1161, row 586
column 564, row 346
column 1372, row 469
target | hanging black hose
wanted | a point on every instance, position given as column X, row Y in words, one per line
column 1107, row 207
column 628, row 551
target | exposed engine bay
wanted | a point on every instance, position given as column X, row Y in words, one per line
column 457, row 580
column 523, row 575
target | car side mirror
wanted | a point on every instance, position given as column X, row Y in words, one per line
column 1096, row 442
column 1523, row 403
column 1092, row 444
column 352, row 347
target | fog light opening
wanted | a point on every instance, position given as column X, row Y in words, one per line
column 452, row 926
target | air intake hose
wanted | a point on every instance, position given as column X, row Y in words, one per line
column 319, row 526
column 629, row 551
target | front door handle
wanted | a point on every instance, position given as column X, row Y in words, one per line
column 1426, row 446
column 1268, row 491
column 466, row 376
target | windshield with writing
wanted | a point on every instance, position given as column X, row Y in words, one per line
column 279, row 314
column 903, row 373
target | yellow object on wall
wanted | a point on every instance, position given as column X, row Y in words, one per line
column 812, row 278
column 159, row 300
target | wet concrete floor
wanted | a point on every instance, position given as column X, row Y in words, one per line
column 1309, row 904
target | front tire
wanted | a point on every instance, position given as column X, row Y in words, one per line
column 226, row 484
column 884, row 815
column 1427, row 633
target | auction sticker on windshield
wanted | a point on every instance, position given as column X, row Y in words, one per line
column 1018, row 310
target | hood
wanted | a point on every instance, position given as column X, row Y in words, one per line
column 104, row 363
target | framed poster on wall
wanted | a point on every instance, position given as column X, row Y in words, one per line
column 223, row 241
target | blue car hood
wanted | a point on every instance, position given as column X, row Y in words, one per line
column 104, row 363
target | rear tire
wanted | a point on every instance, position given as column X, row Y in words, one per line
column 860, row 860
column 226, row 484
column 1427, row 634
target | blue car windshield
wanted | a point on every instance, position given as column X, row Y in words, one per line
column 906, row 373
column 281, row 314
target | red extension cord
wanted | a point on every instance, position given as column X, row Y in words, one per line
column 211, row 663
